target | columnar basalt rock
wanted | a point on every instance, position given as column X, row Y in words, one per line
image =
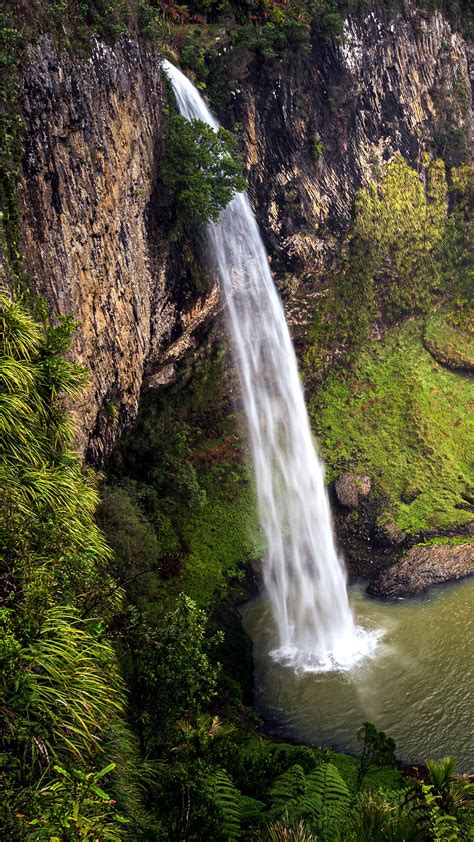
column 94, row 247
column 324, row 124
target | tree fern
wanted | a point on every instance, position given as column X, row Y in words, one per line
column 326, row 783
column 287, row 787
column 226, row 799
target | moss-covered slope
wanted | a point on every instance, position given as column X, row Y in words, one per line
column 406, row 421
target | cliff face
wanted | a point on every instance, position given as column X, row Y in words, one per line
column 313, row 133
column 325, row 124
column 93, row 243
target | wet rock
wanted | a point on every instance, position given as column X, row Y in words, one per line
column 388, row 533
column 350, row 488
column 422, row 567
column 386, row 85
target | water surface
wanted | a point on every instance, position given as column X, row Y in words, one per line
column 418, row 686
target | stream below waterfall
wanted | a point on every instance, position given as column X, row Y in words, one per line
column 417, row 686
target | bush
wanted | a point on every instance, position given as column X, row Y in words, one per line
column 200, row 171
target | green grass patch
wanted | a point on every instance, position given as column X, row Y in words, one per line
column 376, row 778
column 407, row 422
column 449, row 337
column 450, row 542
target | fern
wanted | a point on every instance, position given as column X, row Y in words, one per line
column 326, row 783
column 287, row 787
column 320, row 798
column 226, row 798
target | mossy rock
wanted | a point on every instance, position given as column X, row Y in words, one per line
column 449, row 337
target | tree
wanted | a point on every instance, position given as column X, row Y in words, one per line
column 200, row 170
column 377, row 750
column 170, row 671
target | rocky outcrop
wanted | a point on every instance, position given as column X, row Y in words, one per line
column 94, row 246
column 318, row 127
column 350, row 488
column 422, row 567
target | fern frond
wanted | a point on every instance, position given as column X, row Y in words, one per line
column 288, row 786
column 326, row 783
column 226, row 798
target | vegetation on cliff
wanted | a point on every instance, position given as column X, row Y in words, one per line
column 200, row 171
column 394, row 407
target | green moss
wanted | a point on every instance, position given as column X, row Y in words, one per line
column 450, row 338
column 451, row 542
column 179, row 508
column 400, row 417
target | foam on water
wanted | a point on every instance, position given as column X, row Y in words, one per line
column 304, row 576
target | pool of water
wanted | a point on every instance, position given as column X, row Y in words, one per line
column 418, row 685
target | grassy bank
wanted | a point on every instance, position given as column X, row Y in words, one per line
column 399, row 416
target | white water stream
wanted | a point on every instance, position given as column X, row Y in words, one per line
column 304, row 576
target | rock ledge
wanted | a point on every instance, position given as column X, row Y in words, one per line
column 424, row 566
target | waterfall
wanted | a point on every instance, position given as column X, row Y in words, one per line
column 303, row 574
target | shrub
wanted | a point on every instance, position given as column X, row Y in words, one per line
column 200, row 171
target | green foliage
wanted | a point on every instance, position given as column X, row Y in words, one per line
column 11, row 145
column 200, row 170
column 457, row 245
column 399, row 227
column 320, row 797
column 376, row 750
column 178, row 492
column 396, row 399
column 317, row 149
column 64, row 685
column 454, row 793
column 282, row 831
column 443, row 827
column 62, row 698
column 107, row 19
column 74, row 806
column 449, row 336
column 278, row 39
column 380, row 817
column 170, row 671
column 403, row 250
column 226, row 798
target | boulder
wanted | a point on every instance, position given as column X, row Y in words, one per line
column 387, row 533
column 424, row 566
column 350, row 488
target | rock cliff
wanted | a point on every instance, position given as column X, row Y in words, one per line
column 93, row 243
column 323, row 125
column 314, row 131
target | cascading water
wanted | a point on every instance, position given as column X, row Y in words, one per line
column 304, row 577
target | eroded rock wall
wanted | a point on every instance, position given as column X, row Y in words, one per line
column 94, row 246
column 323, row 125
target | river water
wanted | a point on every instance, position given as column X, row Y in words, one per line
column 418, row 685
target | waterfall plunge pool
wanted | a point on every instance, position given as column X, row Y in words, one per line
column 417, row 686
